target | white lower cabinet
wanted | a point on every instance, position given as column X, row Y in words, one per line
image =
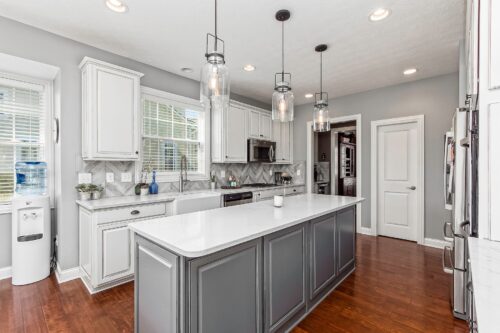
column 106, row 244
column 114, row 252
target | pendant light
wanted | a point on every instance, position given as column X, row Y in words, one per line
column 214, row 82
column 283, row 95
column 321, row 122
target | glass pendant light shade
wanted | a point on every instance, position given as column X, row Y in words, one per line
column 282, row 104
column 214, row 86
column 214, row 80
column 282, row 100
column 321, row 122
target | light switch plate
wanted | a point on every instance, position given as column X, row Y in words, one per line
column 126, row 177
column 222, row 174
column 270, row 172
column 298, row 172
column 110, row 177
column 84, row 178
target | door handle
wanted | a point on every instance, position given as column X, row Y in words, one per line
column 413, row 188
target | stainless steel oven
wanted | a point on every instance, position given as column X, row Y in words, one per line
column 235, row 199
column 261, row 151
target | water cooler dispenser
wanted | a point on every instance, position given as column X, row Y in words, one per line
column 30, row 224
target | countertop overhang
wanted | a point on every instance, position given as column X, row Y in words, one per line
column 202, row 233
column 485, row 268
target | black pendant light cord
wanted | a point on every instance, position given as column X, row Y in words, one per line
column 215, row 42
column 282, row 50
column 321, row 74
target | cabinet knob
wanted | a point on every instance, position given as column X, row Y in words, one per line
column 135, row 212
column 137, row 152
column 261, row 135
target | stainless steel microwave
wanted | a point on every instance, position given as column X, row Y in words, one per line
column 261, row 151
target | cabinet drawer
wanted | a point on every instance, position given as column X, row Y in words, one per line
column 130, row 212
column 295, row 190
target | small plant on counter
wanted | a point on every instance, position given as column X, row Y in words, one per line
column 213, row 181
column 96, row 191
column 84, row 191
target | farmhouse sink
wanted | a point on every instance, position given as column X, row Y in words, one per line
column 194, row 202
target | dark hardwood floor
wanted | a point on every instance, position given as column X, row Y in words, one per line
column 398, row 286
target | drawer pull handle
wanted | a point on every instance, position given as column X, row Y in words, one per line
column 135, row 212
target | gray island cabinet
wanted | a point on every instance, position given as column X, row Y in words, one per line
column 246, row 269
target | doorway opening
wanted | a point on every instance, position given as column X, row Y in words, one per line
column 334, row 160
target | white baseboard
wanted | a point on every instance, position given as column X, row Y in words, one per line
column 67, row 274
column 437, row 243
column 5, row 272
column 365, row 231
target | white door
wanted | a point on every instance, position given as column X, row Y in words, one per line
column 397, row 175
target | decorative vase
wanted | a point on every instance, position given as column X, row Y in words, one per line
column 96, row 195
column 144, row 190
column 153, row 187
column 212, row 185
column 137, row 189
column 84, row 195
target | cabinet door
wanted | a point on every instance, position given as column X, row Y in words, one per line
column 156, row 289
column 236, row 134
column 346, row 239
column 225, row 291
column 284, row 278
column 277, row 138
column 116, row 100
column 115, row 252
column 265, row 125
column 322, row 255
column 253, row 124
column 285, row 142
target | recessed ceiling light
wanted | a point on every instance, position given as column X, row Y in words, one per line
column 409, row 71
column 309, row 95
column 187, row 70
column 379, row 14
column 249, row 68
column 116, row 6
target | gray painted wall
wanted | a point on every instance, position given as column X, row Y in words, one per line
column 38, row 45
column 436, row 98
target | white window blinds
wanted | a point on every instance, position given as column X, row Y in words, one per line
column 171, row 130
column 22, row 129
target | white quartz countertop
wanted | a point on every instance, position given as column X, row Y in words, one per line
column 202, row 233
column 131, row 200
column 485, row 268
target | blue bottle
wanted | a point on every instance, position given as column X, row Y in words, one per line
column 153, row 187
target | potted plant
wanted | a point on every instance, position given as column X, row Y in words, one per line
column 213, row 181
column 84, row 191
column 96, row 191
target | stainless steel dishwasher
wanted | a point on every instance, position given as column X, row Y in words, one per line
column 235, row 199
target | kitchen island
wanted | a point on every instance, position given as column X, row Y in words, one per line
column 248, row 268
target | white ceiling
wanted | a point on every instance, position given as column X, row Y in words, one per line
column 362, row 55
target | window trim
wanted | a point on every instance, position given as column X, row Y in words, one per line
column 162, row 96
column 6, row 207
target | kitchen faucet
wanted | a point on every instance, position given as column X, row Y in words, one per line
column 183, row 178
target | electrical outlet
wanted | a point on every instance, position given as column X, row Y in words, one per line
column 298, row 172
column 110, row 177
column 84, row 178
column 270, row 172
column 126, row 177
column 222, row 174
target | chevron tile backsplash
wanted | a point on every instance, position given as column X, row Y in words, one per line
column 245, row 173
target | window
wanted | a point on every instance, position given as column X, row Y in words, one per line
column 22, row 128
column 173, row 126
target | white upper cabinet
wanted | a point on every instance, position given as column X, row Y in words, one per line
column 472, row 46
column 110, row 111
column 283, row 135
column 259, row 124
column 229, row 134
